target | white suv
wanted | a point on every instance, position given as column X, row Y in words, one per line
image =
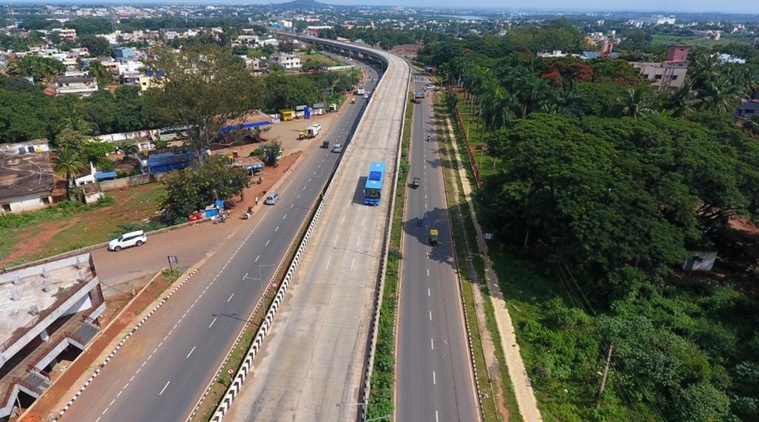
column 128, row 240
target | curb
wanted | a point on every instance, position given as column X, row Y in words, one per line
column 123, row 340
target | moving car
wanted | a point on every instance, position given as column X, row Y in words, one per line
column 271, row 198
column 366, row 96
column 416, row 182
column 127, row 240
column 337, row 148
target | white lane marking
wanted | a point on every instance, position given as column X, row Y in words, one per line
column 267, row 242
column 106, row 409
column 432, row 344
column 98, row 419
column 342, row 220
column 230, row 297
column 193, row 347
column 328, row 261
column 112, row 402
column 436, row 417
column 430, row 318
column 336, row 237
column 159, row 345
column 428, row 272
column 138, row 370
column 143, row 364
column 358, row 241
column 257, row 258
column 298, row 196
column 352, row 262
column 363, row 220
column 304, row 188
column 214, row 320
column 275, row 230
column 434, row 380
column 164, row 387
column 130, row 380
column 284, row 216
column 292, row 205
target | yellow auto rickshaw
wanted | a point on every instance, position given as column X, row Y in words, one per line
column 433, row 237
column 303, row 134
column 353, row 100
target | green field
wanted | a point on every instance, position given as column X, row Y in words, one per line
column 699, row 41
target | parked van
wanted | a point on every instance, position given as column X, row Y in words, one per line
column 127, row 240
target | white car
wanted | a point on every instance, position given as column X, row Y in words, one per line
column 272, row 198
column 366, row 96
column 127, row 240
column 337, row 148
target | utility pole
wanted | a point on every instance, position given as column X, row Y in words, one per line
column 606, row 372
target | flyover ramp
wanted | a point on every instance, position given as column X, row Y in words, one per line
column 311, row 365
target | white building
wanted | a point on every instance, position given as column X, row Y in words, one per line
column 286, row 60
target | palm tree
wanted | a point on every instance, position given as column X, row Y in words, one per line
column 682, row 101
column 634, row 103
column 719, row 95
column 99, row 72
column 68, row 162
column 496, row 108
column 74, row 119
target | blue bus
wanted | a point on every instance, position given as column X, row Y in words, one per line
column 373, row 186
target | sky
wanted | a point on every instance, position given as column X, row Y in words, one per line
column 670, row 6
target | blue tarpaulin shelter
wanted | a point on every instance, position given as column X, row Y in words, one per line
column 250, row 125
column 106, row 175
column 168, row 161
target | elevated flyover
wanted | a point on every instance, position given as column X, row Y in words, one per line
column 311, row 366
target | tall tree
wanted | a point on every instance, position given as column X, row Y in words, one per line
column 202, row 87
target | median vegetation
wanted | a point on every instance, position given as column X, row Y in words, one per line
column 383, row 373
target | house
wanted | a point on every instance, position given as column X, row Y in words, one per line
column 747, row 109
column 669, row 73
column 728, row 59
column 124, row 53
column 66, row 34
column 80, row 85
column 150, row 80
column 318, row 109
column 286, row 60
column 26, row 177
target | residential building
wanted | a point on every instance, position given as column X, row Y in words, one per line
column 671, row 72
column 728, row 59
column 26, row 177
column 66, row 34
column 49, row 309
column 286, row 60
column 125, row 53
column 80, row 85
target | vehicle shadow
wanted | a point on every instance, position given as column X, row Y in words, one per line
column 358, row 195
column 434, row 219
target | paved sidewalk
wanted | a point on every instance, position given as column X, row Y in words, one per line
column 528, row 405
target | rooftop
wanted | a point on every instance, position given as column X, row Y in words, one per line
column 36, row 289
column 25, row 169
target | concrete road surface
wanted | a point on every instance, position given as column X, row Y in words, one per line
column 311, row 365
column 435, row 381
column 165, row 366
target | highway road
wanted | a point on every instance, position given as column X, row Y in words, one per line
column 159, row 374
column 311, row 365
column 435, row 381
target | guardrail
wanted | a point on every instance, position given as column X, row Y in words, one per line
column 242, row 372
